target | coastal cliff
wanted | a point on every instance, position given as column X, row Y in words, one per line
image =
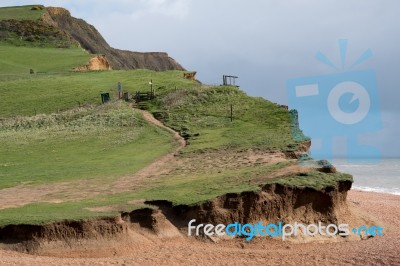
column 91, row 40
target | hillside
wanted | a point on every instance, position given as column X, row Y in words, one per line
column 55, row 27
column 84, row 170
column 221, row 156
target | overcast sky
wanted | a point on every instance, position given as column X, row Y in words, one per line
column 264, row 42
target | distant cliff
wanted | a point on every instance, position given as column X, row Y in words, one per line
column 91, row 40
column 57, row 28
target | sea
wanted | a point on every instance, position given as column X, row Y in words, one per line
column 381, row 176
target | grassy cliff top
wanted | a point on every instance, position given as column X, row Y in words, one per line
column 30, row 12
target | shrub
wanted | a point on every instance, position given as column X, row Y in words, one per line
column 34, row 8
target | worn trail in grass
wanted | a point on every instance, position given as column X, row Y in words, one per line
column 90, row 187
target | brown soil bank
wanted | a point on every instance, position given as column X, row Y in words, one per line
column 98, row 62
column 142, row 249
column 272, row 203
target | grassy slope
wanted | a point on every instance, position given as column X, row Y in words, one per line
column 20, row 13
column 204, row 115
column 19, row 60
column 103, row 142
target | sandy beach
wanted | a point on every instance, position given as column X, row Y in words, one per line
column 385, row 250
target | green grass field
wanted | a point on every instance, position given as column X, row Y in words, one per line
column 19, row 60
column 48, row 93
column 20, row 13
column 99, row 142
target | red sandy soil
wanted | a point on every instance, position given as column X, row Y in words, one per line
column 385, row 250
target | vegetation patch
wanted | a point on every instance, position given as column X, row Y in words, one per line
column 315, row 180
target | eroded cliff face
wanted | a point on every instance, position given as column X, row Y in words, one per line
column 272, row 204
column 91, row 40
column 98, row 62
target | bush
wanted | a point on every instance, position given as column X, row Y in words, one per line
column 37, row 8
column 30, row 38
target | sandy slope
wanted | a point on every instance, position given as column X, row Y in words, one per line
column 374, row 251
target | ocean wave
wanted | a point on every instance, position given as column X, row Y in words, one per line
column 393, row 191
